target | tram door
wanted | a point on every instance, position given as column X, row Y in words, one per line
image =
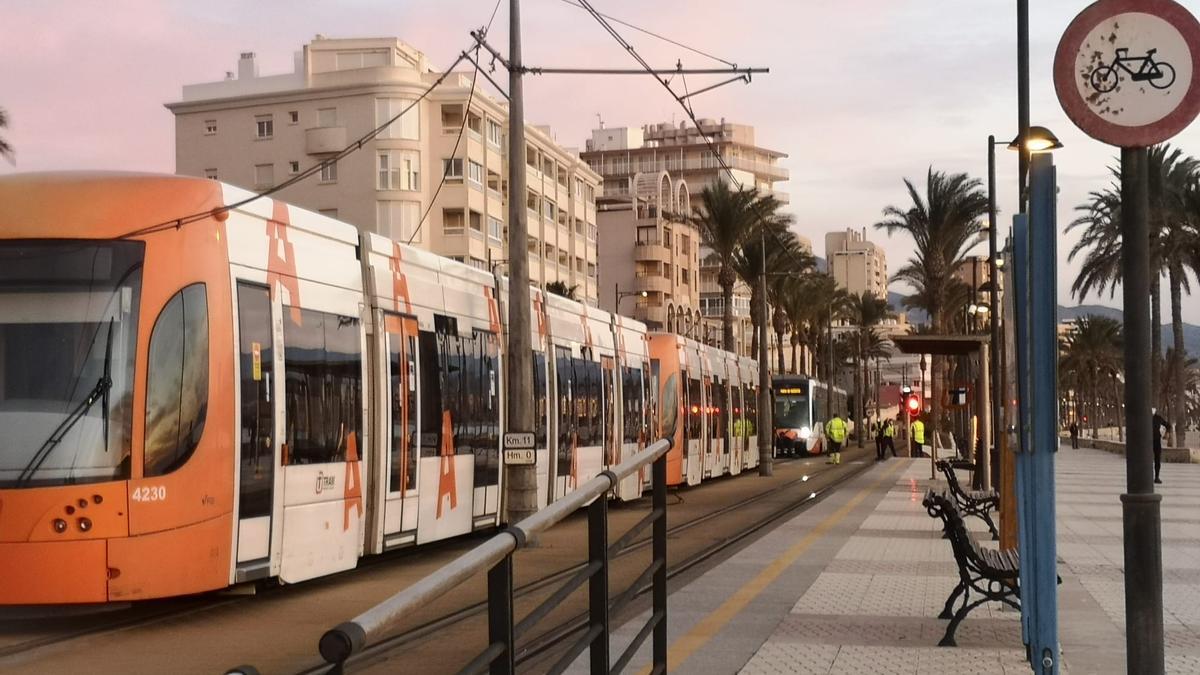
column 609, row 411
column 257, row 436
column 402, row 418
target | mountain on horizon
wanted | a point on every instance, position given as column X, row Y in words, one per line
column 1191, row 332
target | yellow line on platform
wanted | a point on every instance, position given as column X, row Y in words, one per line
column 711, row 625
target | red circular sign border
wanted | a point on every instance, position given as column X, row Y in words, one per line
column 1078, row 110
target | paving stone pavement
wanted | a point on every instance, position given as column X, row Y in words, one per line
column 865, row 594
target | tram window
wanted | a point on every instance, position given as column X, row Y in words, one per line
column 404, row 412
column 695, row 405
column 564, row 380
column 631, row 394
column 485, row 413
column 430, row 391
column 540, row 400
column 583, row 402
column 322, row 359
column 721, row 413
column 177, row 382
column 591, row 408
column 750, row 397
column 608, row 403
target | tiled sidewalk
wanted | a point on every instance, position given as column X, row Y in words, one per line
column 873, row 608
column 1092, row 561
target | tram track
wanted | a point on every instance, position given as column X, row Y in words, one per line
column 548, row 640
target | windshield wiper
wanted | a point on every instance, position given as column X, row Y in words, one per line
column 98, row 393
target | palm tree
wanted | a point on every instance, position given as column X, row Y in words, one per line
column 1090, row 358
column 1172, row 175
column 865, row 311
column 726, row 220
column 944, row 225
column 6, row 150
column 561, row 288
column 783, row 256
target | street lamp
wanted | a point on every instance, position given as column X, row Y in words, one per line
column 618, row 294
column 1037, row 139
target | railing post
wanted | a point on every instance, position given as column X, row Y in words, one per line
column 598, row 584
column 659, row 504
column 500, row 615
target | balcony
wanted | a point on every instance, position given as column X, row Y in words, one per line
column 322, row 140
column 650, row 314
column 652, row 251
column 652, row 284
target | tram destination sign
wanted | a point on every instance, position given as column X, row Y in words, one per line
column 1125, row 71
column 519, row 448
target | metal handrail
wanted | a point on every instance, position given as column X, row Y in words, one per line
column 348, row 638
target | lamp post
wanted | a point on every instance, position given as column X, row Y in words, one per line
column 618, row 294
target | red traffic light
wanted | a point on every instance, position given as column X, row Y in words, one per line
column 913, row 404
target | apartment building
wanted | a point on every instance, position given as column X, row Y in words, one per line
column 685, row 152
column 858, row 265
column 649, row 254
column 256, row 131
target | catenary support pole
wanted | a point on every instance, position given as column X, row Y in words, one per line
column 997, row 392
column 1140, row 505
column 520, row 480
column 1022, row 102
column 766, row 434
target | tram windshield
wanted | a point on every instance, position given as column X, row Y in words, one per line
column 793, row 408
column 68, row 329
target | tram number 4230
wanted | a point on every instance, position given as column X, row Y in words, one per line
column 149, row 493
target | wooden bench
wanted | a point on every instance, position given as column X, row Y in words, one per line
column 978, row 503
column 990, row 574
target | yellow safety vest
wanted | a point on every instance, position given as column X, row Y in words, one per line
column 836, row 429
column 889, row 431
column 918, row 431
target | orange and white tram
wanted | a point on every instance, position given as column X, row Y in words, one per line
column 269, row 393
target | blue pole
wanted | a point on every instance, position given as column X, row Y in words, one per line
column 1020, row 245
column 1043, row 341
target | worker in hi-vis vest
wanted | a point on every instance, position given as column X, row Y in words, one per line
column 918, row 434
column 835, row 432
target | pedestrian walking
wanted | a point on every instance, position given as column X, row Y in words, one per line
column 835, row 431
column 1160, row 426
column 1074, row 429
column 889, row 439
column 918, row 436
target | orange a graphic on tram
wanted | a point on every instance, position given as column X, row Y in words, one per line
column 447, row 486
column 281, row 259
column 352, row 492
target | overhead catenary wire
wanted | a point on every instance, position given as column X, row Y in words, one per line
column 656, row 35
column 683, row 104
column 446, row 167
column 357, row 144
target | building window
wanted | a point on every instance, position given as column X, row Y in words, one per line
column 591, row 235
column 452, row 169
column 475, row 124
column 532, row 202
column 590, row 193
column 264, row 175
column 293, row 117
column 579, row 264
column 177, row 382
column 495, row 133
column 531, row 157
column 476, row 219
column 578, row 226
column 475, row 172
column 494, row 183
column 264, row 126
column 398, row 220
column 495, row 228
column 293, row 167
column 551, row 210
column 210, row 127
column 408, row 126
column 327, row 117
column 453, row 221
column 452, row 117
column 591, row 270
column 399, row 170
column 328, row 213
column 578, row 190
column 329, row 173
column 210, row 174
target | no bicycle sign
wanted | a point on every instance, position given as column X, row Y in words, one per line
column 1125, row 71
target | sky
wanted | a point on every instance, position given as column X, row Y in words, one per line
column 860, row 94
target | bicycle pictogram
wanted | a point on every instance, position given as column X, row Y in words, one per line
column 1159, row 74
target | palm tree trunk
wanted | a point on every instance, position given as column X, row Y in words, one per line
column 727, row 310
column 1120, row 412
column 779, row 354
column 754, row 324
column 795, row 346
column 1179, row 358
column 1156, row 342
column 859, row 427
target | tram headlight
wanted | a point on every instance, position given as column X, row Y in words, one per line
column 805, row 433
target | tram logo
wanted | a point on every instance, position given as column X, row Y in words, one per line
column 399, row 281
column 447, row 485
column 352, row 492
column 324, row 482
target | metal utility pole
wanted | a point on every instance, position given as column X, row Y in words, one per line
column 997, row 401
column 1022, row 102
column 1140, row 505
column 766, row 434
column 520, row 480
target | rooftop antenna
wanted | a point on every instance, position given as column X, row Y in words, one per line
column 600, row 120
